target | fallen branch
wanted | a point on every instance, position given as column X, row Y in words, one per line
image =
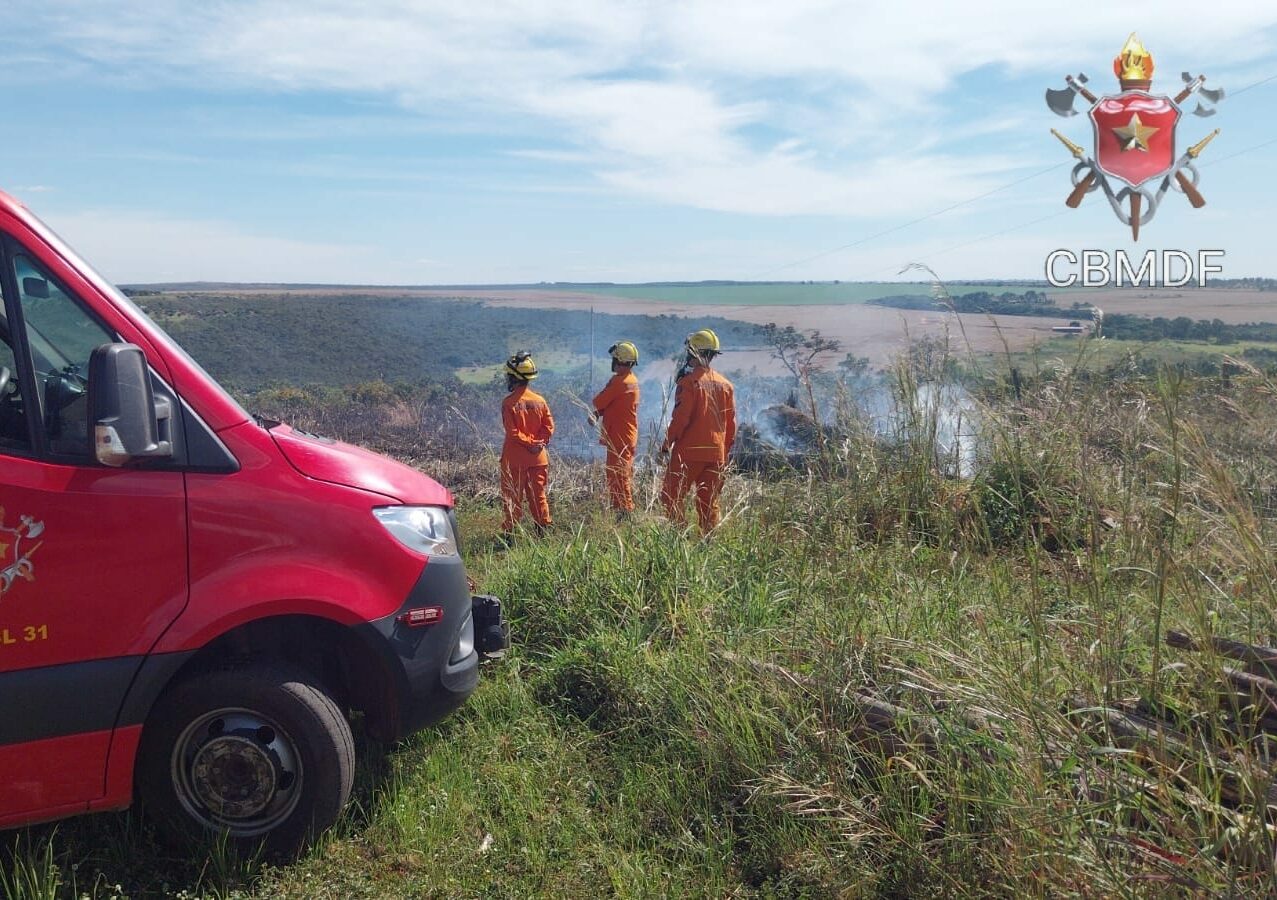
column 1262, row 693
column 1172, row 749
column 1260, row 661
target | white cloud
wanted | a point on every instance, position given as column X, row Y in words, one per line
column 566, row 157
column 779, row 184
column 138, row 248
column 739, row 105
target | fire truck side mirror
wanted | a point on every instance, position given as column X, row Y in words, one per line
column 128, row 425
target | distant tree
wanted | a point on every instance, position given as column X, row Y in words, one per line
column 928, row 358
column 798, row 351
column 372, row 392
column 854, row 366
column 1180, row 328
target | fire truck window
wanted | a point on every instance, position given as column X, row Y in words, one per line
column 13, row 421
column 61, row 337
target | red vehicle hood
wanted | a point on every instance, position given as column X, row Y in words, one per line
column 327, row 460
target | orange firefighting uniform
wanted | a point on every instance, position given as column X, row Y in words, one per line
column 617, row 405
column 702, row 430
column 524, row 462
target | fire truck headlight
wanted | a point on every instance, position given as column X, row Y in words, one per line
column 425, row 529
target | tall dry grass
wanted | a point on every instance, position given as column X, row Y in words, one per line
column 881, row 677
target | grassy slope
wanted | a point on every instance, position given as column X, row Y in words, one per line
column 621, row 752
column 678, row 718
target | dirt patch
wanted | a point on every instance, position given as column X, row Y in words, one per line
column 1234, row 307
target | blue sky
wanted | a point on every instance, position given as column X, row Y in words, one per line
column 440, row 142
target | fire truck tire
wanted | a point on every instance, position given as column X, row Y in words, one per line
column 260, row 751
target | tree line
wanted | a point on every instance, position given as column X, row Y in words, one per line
column 1007, row 303
column 1121, row 326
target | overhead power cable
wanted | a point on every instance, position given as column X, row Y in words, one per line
column 1220, row 159
column 912, row 222
column 983, row 238
column 1249, row 86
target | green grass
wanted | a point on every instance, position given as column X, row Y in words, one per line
column 478, row 375
column 556, row 360
column 681, row 717
column 1109, row 352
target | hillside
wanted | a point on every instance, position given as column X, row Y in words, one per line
column 253, row 340
column 255, row 337
column 875, row 680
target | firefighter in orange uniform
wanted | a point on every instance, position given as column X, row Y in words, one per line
column 524, row 463
column 617, row 406
column 700, row 436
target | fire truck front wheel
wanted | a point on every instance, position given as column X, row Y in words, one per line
column 259, row 752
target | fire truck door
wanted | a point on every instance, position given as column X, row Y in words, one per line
column 92, row 558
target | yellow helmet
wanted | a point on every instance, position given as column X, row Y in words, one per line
column 624, row 352
column 701, row 341
column 521, row 366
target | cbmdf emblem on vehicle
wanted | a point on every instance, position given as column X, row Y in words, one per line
column 1134, row 137
column 16, row 548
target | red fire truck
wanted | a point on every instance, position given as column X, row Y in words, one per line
column 193, row 598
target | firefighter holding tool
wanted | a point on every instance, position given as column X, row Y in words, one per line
column 616, row 406
column 700, row 434
column 524, row 462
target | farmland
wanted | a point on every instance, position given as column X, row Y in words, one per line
column 426, row 326
column 1235, row 306
column 879, row 334
column 777, row 294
